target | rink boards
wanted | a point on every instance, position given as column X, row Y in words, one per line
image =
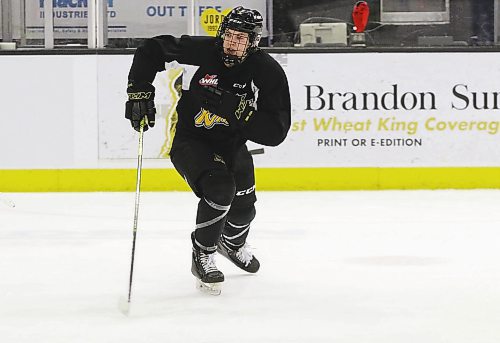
column 399, row 121
column 81, row 180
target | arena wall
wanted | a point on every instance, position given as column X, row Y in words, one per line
column 359, row 121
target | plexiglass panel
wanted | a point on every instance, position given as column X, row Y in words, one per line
column 125, row 23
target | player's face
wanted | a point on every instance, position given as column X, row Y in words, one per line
column 235, row 42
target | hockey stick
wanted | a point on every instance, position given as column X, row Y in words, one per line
column 125, row 306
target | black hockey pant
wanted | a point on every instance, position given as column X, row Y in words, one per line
column 225, row 185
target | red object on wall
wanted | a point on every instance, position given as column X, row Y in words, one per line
column 360, row 14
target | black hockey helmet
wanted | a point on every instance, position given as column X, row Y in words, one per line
column 243, row 20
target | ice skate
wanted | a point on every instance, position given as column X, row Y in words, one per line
column 208, row 277
column 242, row 257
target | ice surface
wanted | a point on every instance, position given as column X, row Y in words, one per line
column 347, row 267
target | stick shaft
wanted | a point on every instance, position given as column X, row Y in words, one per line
column 136, row 211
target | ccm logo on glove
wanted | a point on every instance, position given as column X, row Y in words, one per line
column 140, row 107
column 139, row 96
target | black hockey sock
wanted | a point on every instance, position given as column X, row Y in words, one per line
column 209, row 224
column 217, row 190
column 237, row 226
column 235, row 235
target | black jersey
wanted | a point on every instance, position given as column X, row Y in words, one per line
column 260, row 78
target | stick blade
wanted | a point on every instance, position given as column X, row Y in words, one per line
column 124, row 306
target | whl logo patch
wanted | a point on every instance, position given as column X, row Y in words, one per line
column 208, row 120
column 209, row 80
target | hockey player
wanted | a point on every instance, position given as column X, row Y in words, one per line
column 236, row 93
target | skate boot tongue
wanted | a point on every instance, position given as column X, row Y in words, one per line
column 208, row 263
column 244, row 254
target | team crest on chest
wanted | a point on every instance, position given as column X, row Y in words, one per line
column 209, row 80
column 208, row 120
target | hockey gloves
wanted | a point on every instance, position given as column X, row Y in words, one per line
column 140, row 105
column 235, row 108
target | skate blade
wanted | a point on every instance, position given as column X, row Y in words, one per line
column 209, row 288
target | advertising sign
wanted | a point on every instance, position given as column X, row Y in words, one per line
column 355, row 110
column 131, row 19
column 394, row 110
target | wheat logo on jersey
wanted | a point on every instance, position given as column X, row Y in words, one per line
column 209, row 80
column 208, row 120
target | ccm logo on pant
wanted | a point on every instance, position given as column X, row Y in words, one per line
column 246, row 191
